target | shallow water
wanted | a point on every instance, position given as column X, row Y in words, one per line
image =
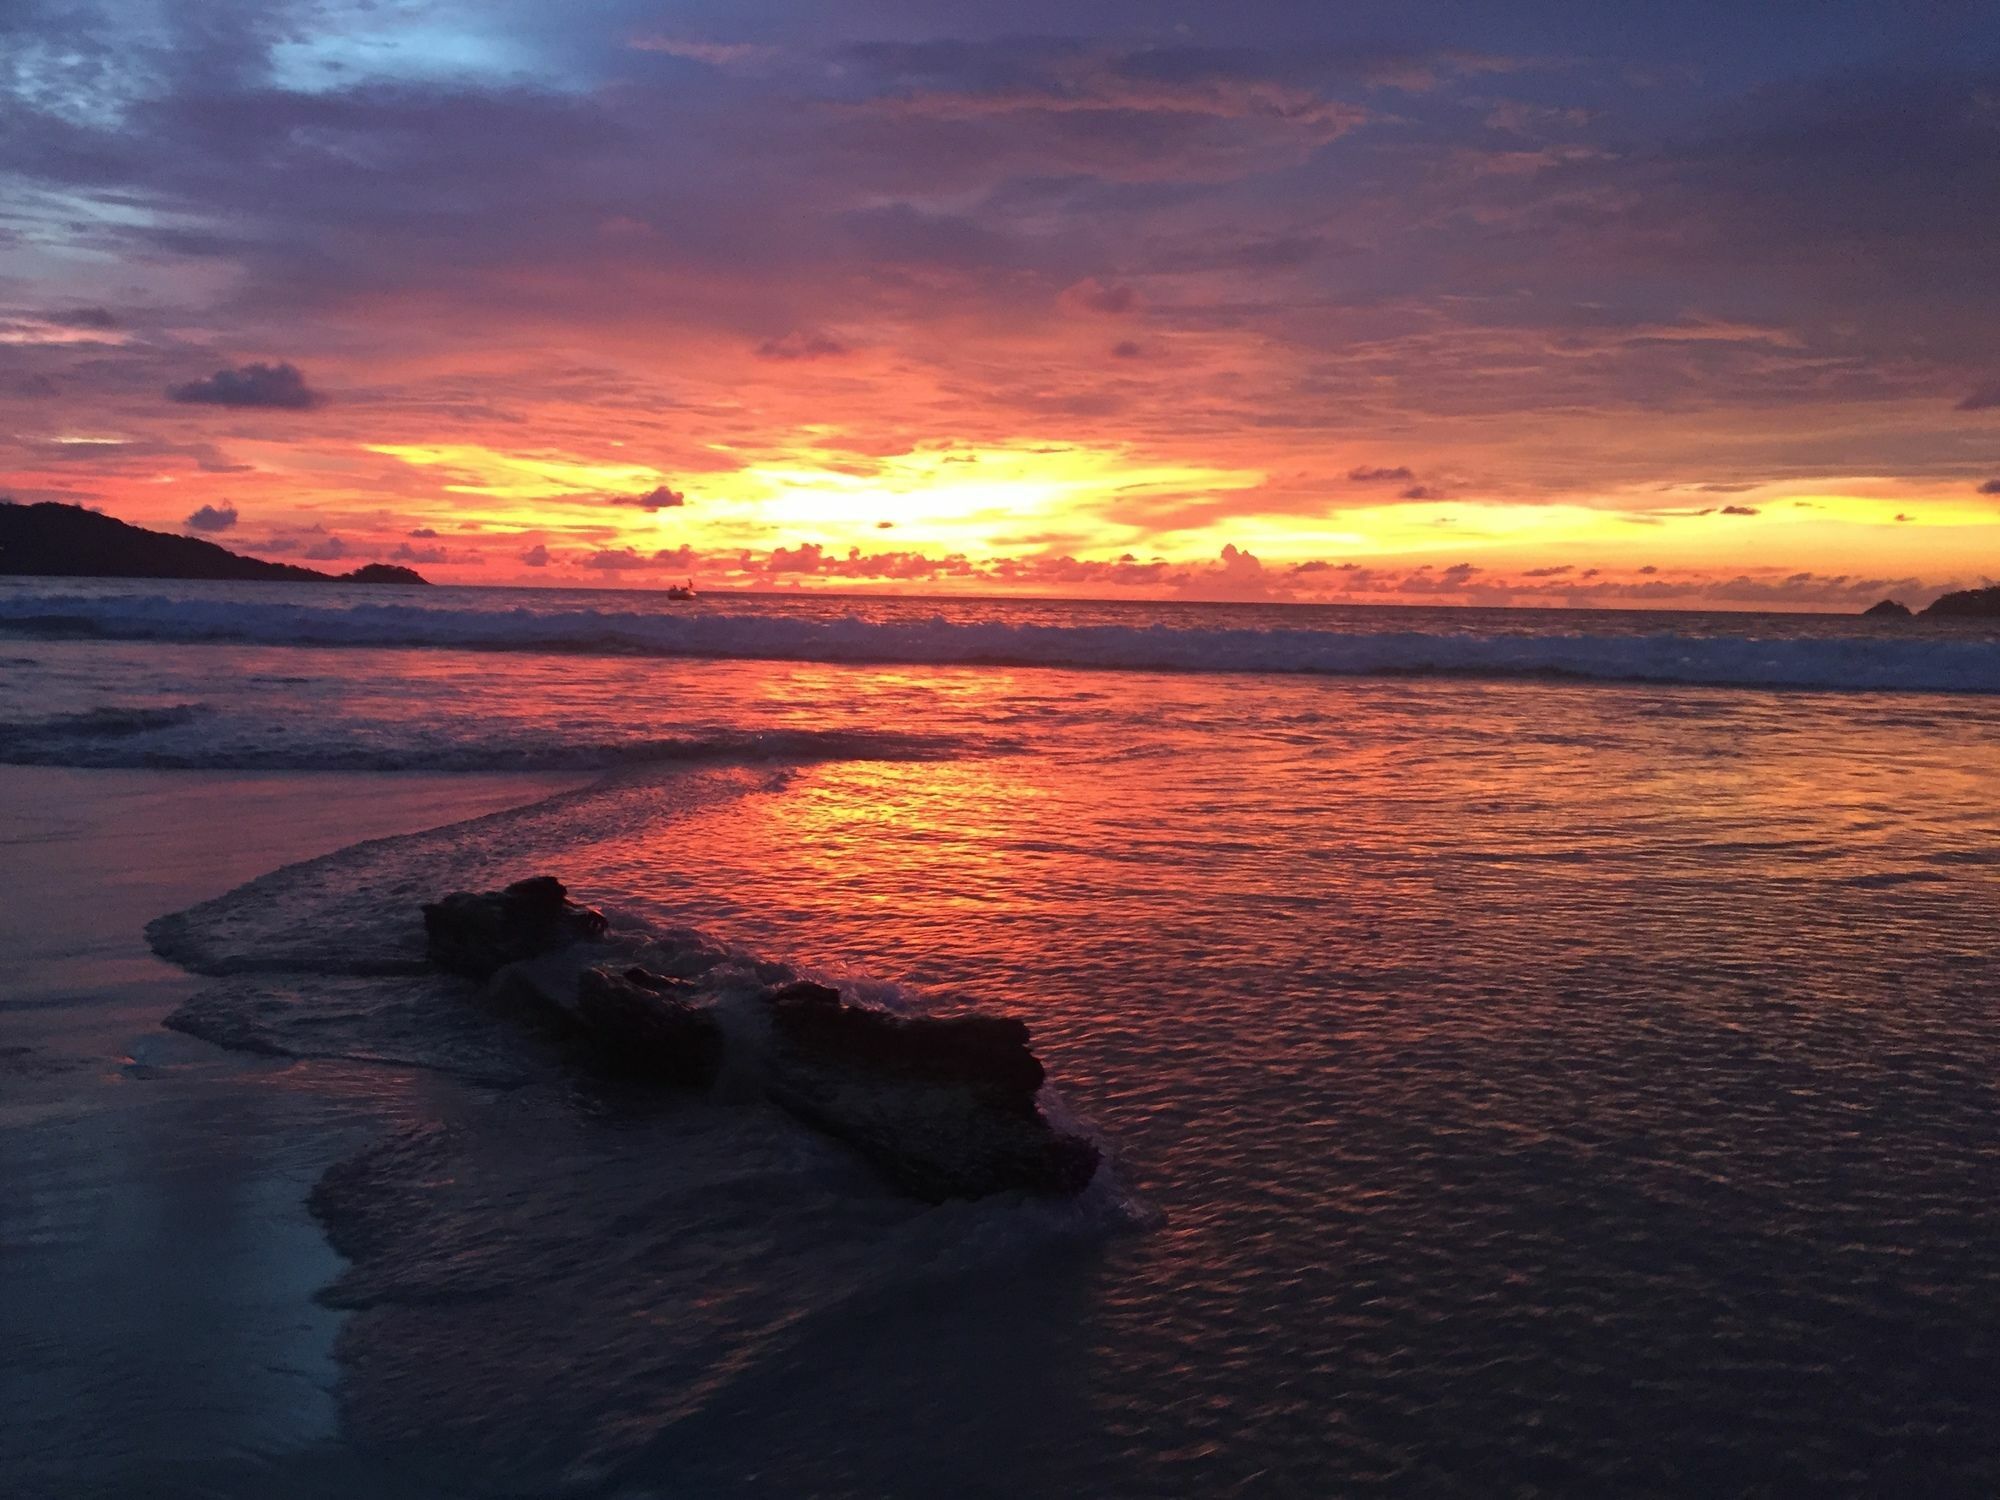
column 1543, row 1088
column 161, row 1333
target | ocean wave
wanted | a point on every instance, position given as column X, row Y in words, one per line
column 114, row 723
column 1923, row 663
column 146, row 738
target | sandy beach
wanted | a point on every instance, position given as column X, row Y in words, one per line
column 160, row 1261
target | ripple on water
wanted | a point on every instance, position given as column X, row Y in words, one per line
column 1547, row 1090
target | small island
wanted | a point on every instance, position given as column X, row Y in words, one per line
column 1964, row 604
column 381, row 573
column 53, row 540
column 1967, row 604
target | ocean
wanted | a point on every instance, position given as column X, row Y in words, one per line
column 1536, row 1052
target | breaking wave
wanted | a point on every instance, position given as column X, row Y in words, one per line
column 195, row 737
column 1924, row 661
column 102, row 724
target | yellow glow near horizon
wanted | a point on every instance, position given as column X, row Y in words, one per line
column 966, row 498
column 948, row 496
column 824, row 486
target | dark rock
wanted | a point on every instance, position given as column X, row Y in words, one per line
column 1967, row 604
column 945, row 1106
column 989, row 1051
column 1888, row 609
column 649, row 1025
column 476, row 933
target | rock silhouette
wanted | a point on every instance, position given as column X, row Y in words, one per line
column 943, row 1106
column 476, row 934
column 1967, row 604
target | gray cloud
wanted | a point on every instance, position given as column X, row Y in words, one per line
column 98, row 318
column 661, row 498
column 279, row 387
column 212, row 518
column 799, row 345
column 1110, row 299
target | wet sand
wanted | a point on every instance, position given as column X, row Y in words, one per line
column 157, row 1265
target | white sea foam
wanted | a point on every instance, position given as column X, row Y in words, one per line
column 1926, row 661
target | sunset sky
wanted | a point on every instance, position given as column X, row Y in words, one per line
column 1546, row 302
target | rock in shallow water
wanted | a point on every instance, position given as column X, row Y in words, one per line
column 477, row 933
column 651, row 1026
column 989, row 1052
column 945, row 1106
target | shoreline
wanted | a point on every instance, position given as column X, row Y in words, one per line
column 109, row 850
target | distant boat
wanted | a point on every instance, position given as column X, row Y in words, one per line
column 682, row 590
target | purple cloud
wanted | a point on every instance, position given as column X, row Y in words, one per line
column 97, row 318
column 212, row 518
column 1109, row 299
column 278, row 387
column 662, row 498
column 799, row 345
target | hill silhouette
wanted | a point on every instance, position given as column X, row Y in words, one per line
column 53, row 540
